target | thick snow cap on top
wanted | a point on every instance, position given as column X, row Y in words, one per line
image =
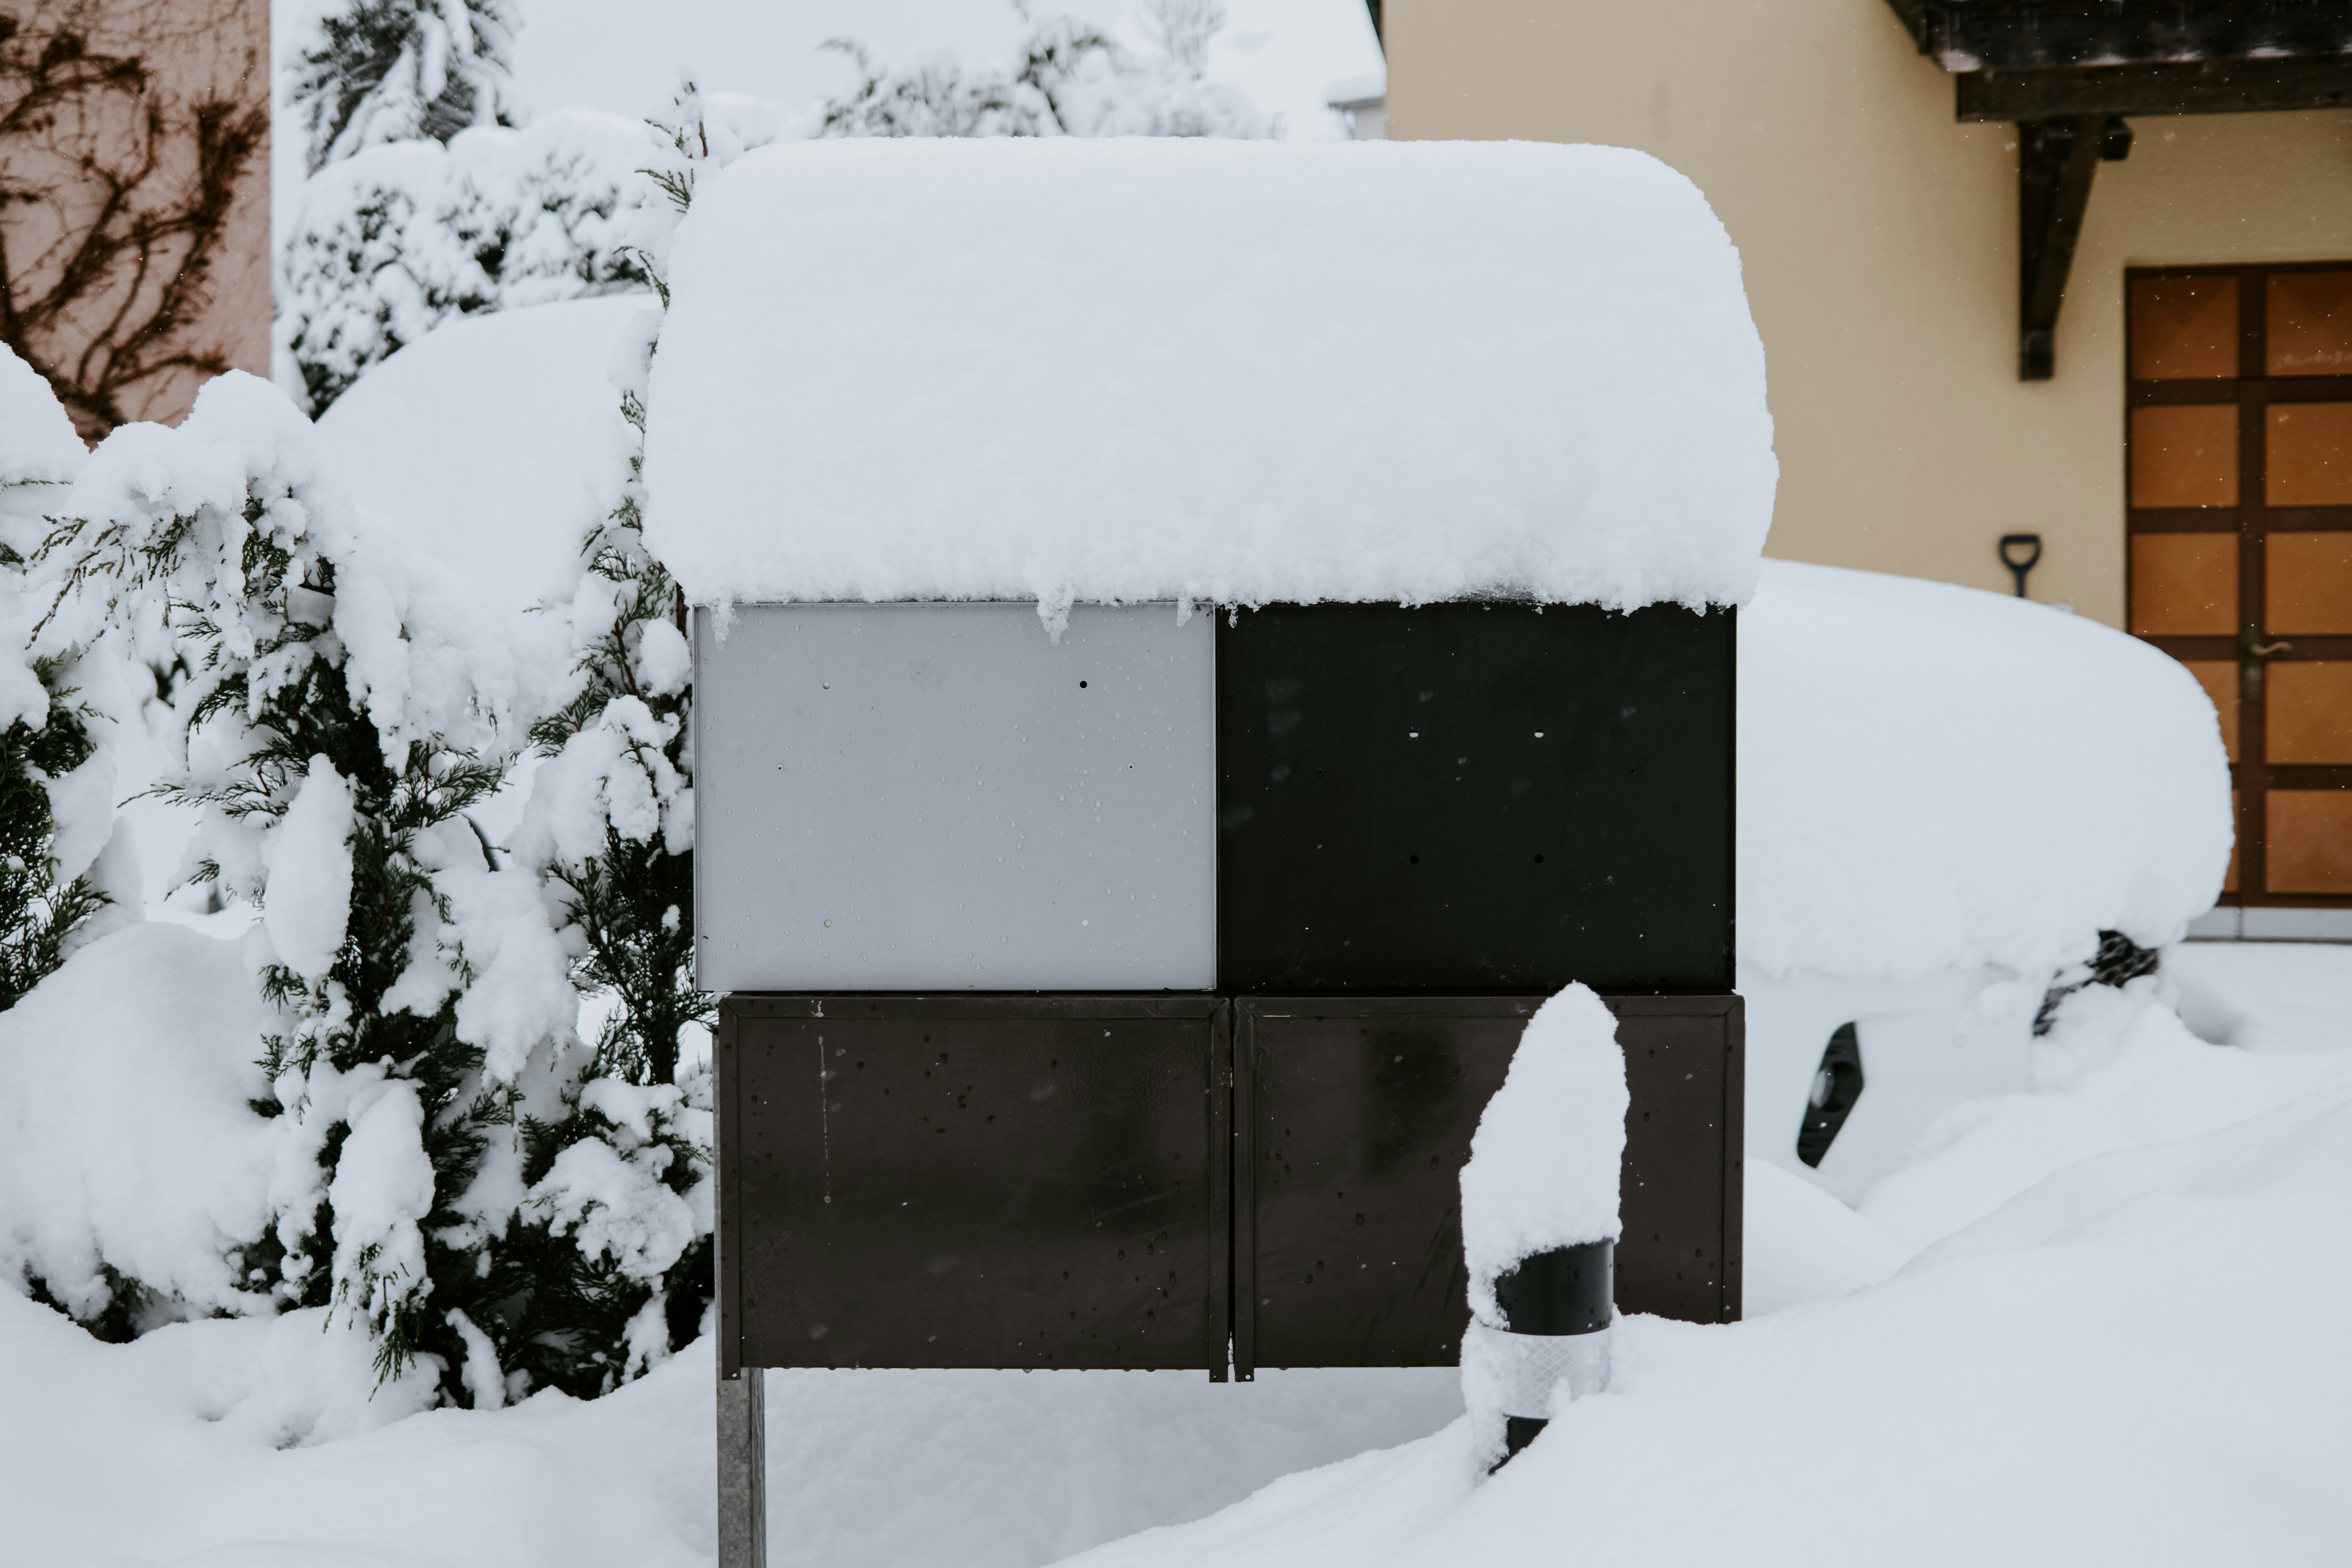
column 1228, row 371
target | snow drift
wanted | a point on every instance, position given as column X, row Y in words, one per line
column 126, row 1137
column 1127, row 371
column 2020, row 1393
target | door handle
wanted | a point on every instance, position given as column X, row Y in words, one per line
column 2252, row 653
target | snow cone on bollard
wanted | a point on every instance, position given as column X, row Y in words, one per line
column 1539, row 1225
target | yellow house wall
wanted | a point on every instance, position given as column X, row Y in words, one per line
column 1879, row 239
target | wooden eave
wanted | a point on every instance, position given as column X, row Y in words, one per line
column 2071, row 73
column 2010, row 35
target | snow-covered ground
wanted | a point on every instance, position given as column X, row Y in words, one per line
column 2096, row 1321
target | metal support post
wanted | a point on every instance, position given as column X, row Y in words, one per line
column 743, row 1469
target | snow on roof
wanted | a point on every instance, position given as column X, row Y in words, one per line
column 1152, row 369
column 1936, row 777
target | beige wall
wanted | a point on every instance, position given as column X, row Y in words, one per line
column 134, row 245
column 1879, row 239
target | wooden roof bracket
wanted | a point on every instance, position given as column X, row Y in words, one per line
column 2066, row 72
column 2056, row 159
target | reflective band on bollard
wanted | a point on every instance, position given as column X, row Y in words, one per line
column 1556, row 1307
column 1533, row 1366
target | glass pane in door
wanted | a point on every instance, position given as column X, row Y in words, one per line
column 2184, row 455
column 2183, row 328
column 2184, row 585
column 2310, row 326
column 2307, row 585
column 2307, row 713
column 2308, row 836
column 2309, row 456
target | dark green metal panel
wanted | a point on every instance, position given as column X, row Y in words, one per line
column 1474, row 796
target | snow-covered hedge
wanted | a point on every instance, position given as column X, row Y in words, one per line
column 424, row 203
column 394, row 239
column 426, row 1146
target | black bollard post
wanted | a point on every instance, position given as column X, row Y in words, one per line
column 1556, row 1308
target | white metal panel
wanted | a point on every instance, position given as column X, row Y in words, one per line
column 931, row 796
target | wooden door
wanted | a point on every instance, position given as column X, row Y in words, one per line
column 2239, row 477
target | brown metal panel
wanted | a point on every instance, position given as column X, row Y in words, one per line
column 977, row 1180
column 1734, row 1160
column 1361, row 1112
column 1685, row 1062
column 1242, row 1304
column 1217, row 1317
column 1356, row 1119
column 729, row 1215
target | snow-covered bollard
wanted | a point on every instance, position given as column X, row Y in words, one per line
column 1539, row 1225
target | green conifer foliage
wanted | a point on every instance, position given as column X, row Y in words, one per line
column 267, row 668
column 390, row 70
column 39, row 915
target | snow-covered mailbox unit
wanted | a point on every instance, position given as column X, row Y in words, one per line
column 1194, row 642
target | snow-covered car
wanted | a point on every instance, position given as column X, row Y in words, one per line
column 1946, row 796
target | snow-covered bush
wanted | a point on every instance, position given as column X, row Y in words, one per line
column 55, row 776
column 612, row 811
column 398, row 237
column 370, row 71
column 396, row 232
column 1065, row 79
column 42, row 907
column 431, row 1107
column 610, row 815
